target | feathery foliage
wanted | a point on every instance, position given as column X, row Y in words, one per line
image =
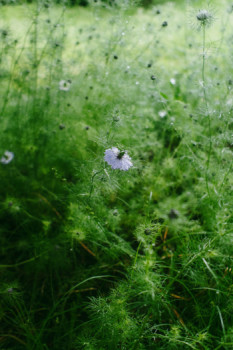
column 97, row 258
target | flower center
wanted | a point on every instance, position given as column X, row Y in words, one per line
column 120, row 154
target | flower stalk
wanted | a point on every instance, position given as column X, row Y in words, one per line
column 206, row 103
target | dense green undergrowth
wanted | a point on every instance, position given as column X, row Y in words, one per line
column 97, row 258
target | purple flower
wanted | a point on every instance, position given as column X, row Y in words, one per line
column 118, row 159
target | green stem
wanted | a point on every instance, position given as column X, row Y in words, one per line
column 35, row 57
column 207, row 109
column 92, row 183
column 224, row 179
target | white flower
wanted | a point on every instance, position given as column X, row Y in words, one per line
column 7, row 157
column 64, row 85
column 162, row 114
column 118, row 159
column 173, row 81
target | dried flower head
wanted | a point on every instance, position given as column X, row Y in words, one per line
column 204, row 17
column 7, row 157
column 64, row 85
column 118, row 159
column 200, row 18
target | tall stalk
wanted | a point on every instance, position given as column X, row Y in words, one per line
column 35, row 63
column 206, row 105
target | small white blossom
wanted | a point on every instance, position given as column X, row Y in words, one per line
column 7, row 157
column 162, row 114
column 64, row 85
column 118, row 159
column 173, row 81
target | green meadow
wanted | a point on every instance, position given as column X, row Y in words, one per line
column 116, row 145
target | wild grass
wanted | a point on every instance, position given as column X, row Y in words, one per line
column 97, row 258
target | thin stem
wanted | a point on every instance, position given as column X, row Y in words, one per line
column 92, row 183
column 224, row 179
column 35, row 65
column 207, row 107
column 110, row 130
